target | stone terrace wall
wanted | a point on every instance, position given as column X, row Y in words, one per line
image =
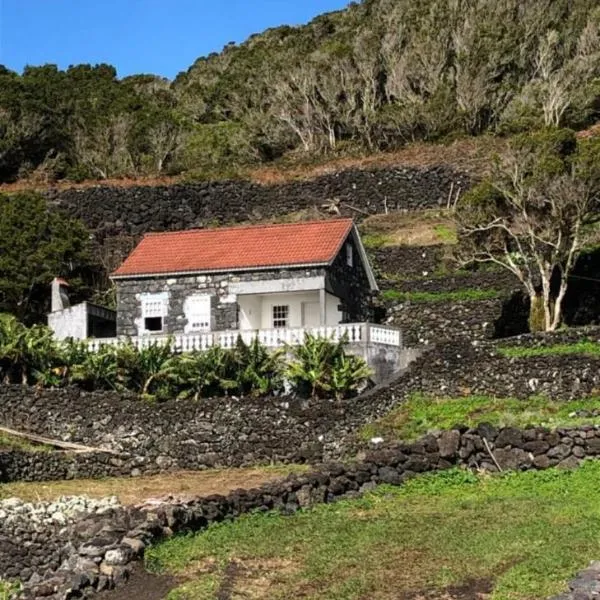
column 113, row 210
column 233, row 432
column 101, row 548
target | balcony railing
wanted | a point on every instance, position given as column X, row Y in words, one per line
column 271, row 338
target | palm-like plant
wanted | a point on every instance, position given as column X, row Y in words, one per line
column 258, row 371
column 321, row 366
column 26, row 353
column 96, row 370
column 209, row 373
column 146, row 370
column 348, row 374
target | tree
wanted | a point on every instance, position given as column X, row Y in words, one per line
column 535, row 215
column 37, row 244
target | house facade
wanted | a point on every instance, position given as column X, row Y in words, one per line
column 284, row 276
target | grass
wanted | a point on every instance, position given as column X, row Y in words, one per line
column 414, row 228
column 585, row 347
column 9, row 590
column 518, row 536
column 9, row 442
column 454, row 296
column 422, row 414
column 133, row 490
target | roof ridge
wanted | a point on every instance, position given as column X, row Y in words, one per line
column 250, row 226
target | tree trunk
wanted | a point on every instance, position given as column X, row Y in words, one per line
column 537, row 319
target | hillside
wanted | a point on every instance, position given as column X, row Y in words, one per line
column 368, row 79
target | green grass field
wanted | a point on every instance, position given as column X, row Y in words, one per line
column 518, row 536
column 454, row 296
column 585, row 347
column 421, row 414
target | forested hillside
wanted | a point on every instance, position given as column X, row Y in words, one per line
column 372, row 77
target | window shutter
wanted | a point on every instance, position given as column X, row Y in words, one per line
column 155, row 305
column 198, row 311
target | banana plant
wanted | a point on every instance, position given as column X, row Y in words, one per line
column 349, row 374
column 97, row 370
column 258, row 371
column 145, row 370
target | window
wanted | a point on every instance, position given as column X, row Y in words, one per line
column 153, row 324
column 154, row 311
column 280, row 316
column 197, row 311
column 349, row 255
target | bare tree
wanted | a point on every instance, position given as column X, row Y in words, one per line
column 533, row 224
column 164, row 139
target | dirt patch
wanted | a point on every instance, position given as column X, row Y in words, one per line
column 142, row 586
column 473, row 589
column 135, row 490
column 250, row 579
column 417, row 228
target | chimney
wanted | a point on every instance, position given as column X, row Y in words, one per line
column 60, row 299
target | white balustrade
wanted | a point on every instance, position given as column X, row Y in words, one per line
column 271, row 338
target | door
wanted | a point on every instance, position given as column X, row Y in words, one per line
column 311, row 314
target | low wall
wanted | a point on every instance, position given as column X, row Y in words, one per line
column 117, row 210
column 221, row 432
column 101, row 548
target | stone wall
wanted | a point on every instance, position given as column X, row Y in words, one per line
column 112, row 211
column 97, row 551
column 184, row 434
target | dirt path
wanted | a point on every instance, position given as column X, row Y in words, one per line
column 134, row 490
column 141, row 586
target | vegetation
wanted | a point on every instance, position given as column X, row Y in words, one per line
column 372, row 77
column 319, row 368
column 9, row 590
column 534, row 216
column 518, row 536
column 585, row 347
column 415, row 228
column 454, row 296
column 37, row 244
column 18, row 443
column 421, row 414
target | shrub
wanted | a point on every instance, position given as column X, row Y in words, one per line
column 320, row 366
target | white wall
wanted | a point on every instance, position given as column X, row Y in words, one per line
column 293, row 300
column 250, row 312
column 334, row 316
column 256, row 311
column 70, row 322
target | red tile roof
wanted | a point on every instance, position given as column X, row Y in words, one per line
column 237, row 248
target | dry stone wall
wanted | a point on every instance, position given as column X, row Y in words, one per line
column 185, row 434
column 116, row 210
column 97, row 552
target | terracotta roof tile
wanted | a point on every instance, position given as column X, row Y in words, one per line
column 236, row 248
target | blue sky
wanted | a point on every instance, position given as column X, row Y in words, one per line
column 138, row 36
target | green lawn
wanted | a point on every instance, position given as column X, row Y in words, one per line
column 421, row 414
column 585, row 347
column 455, row 296
column 519, row 536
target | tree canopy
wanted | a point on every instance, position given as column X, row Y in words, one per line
column 36, row 245
column 373, row 76
column 535, row 215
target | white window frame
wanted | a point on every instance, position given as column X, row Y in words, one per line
column 280, row 316
column 154, row 306
column 198, row 321
column 349, row 254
